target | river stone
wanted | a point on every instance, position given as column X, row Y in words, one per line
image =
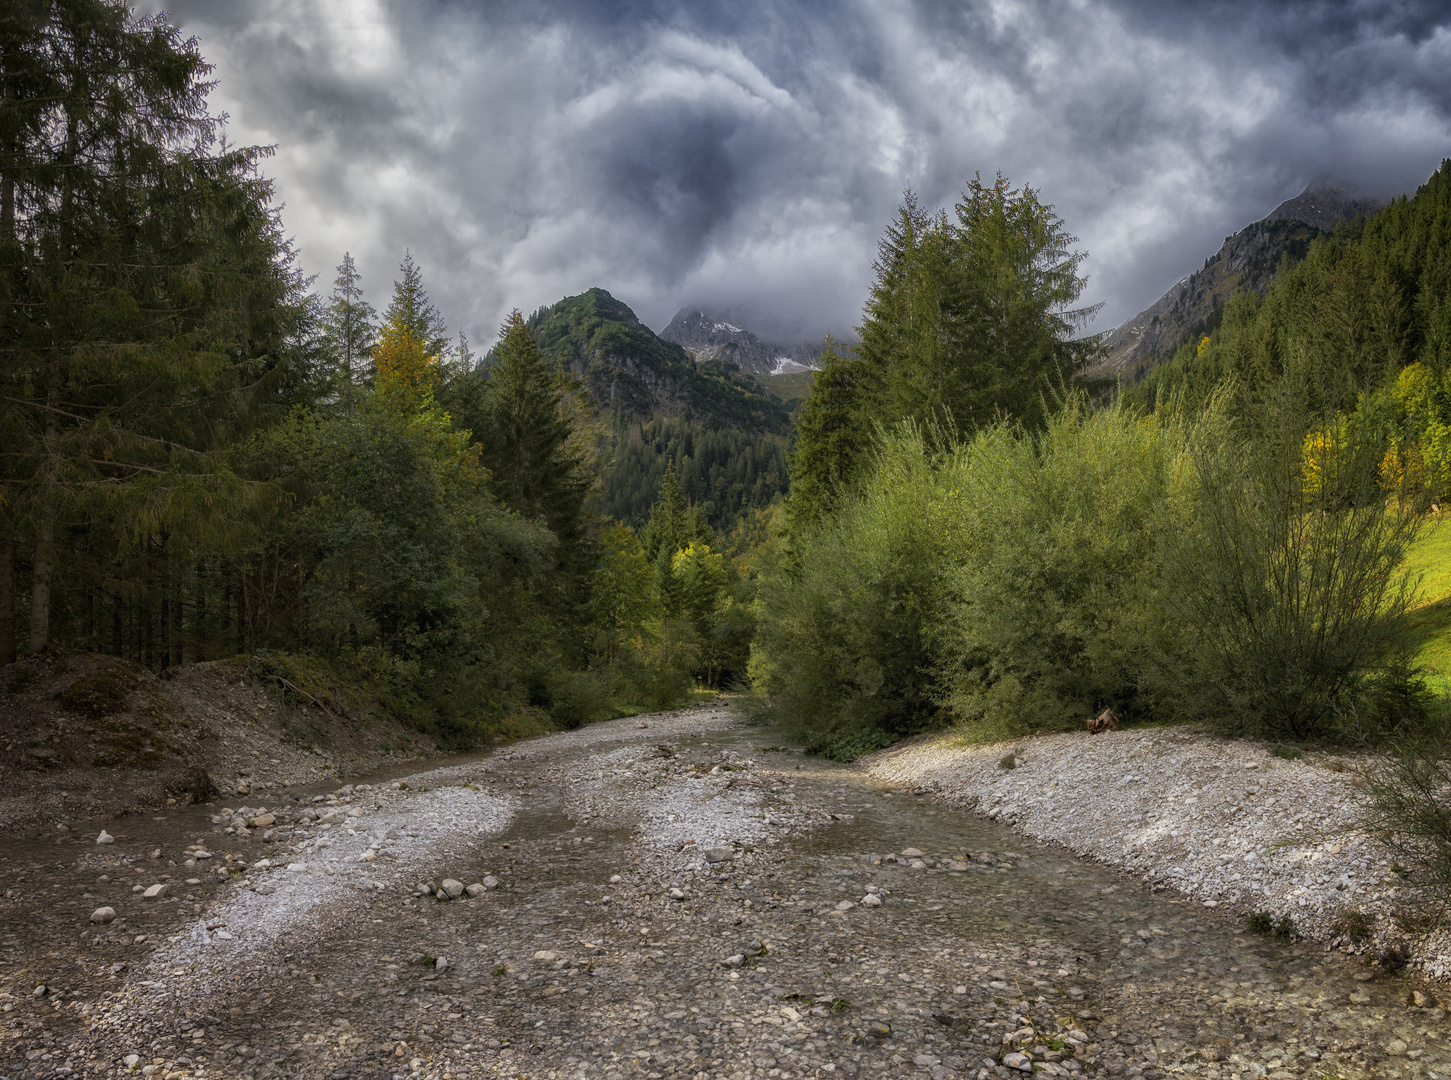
column 441, row 965
column 476, row 890
column 105, row 838
column 1021, row 1062
column 453, row 889
column 491, row 882
column 845, row 905
column 735, row 961
column 911, row 853
column 719, row 854
column 156, row 892
column 103, row 915
column 872, row 900
column 262, row 821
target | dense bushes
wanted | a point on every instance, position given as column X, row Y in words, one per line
column 1024, row 582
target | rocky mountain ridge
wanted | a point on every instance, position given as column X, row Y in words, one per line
column 1246, row 261
column 713, row 337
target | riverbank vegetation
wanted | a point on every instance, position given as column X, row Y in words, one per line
column 975, row 539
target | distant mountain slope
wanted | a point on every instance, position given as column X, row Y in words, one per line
column 710, row 337
column 629, row 369
column 1247, row 260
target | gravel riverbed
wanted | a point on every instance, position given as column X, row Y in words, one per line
column 1227, row 823
column 668, row 896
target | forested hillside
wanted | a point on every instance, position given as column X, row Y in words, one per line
column 972, row 541
column 720, row 429
column 201, row 457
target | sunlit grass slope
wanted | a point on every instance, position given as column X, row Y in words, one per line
column 1431, row 621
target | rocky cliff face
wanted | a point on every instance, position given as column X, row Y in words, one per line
column 710, row 337
column 1247, row 260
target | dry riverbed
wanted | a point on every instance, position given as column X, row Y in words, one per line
column 667, row 896
column 1227, row 823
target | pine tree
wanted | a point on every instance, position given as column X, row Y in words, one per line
column 665, row 533
column 412, row 309
column 349, row 325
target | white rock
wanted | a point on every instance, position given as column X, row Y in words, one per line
column 202, row 854
column 546, row 955
column 156, row 892
column 845, row 905
column 368, row 856
column 103, row 915
column 297, row 867
column 491, row 882
column 451, row 888
column 615, row 879
column 871, row 900
column 911, row 853
column 441, row 965
column 735, row 961
column 131, row 1060
column 719, row 854
column 676, row 894
column 262, row 864
column 262, row 821
column 105, row 838
column 1021, row 1062
column 476, row 889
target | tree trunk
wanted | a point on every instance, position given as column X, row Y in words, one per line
column 40, row 588
column 7, row 597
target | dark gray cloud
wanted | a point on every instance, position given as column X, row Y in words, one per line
column 746, row 155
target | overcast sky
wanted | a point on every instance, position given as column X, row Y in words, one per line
column 745, row 155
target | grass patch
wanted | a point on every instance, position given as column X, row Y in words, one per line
column 101, row 693
column 1430, row 620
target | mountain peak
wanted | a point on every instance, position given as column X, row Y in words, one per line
column 1326, row 203
column 714, row 337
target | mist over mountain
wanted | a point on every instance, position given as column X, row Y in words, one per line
column 710, row 336
column 1246, row 261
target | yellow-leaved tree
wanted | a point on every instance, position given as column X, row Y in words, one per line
column 407, row 374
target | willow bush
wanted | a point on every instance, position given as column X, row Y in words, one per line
column 1055, row 588
column 1289, row 590
column 844, row 640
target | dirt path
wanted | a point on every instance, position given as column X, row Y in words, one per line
column 680, row 899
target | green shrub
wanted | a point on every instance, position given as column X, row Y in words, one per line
column 1056, row 568
column 844, row 646
column 1409, row 780
column 1261, row 922
column 1291, row 603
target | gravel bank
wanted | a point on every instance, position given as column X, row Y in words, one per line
column 1223, row 822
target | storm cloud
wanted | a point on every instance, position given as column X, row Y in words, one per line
column 745, row 156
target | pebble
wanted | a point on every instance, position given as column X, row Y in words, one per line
column 476, row 889
column 871, row 900
column 845, row 905
column 157, row 891
column 735, row 961
column 451, row 888
column 719, row 854
column 491, row 882
column 262, row 821
column 297, row 867
column 441, row 965
column 103, row 915
column 105, row 838
column 1021, row 1062
column 131, row 1060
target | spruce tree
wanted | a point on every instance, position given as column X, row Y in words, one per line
column 526, row 441
column 350, row 325
column 412, row 309
column 146, row 289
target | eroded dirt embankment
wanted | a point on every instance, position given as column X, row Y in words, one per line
column 1224, row 822
column 85, row 736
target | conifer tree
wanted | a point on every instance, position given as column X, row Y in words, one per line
column 412, row 309
column 146, row 287
column 349, row 324
column 527, row 436
column 407, row 375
